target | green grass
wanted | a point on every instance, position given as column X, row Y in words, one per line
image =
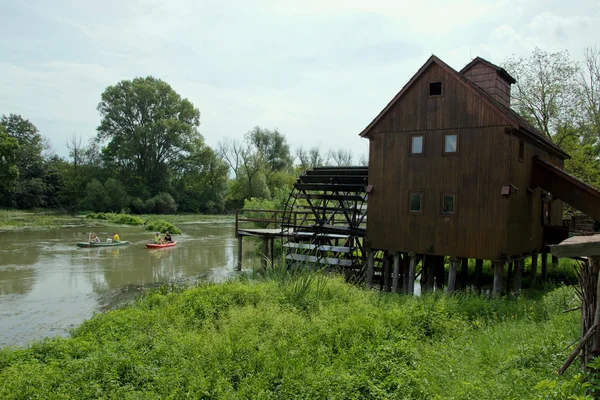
column 307, row 336
column 179, row 219
column 11, row 220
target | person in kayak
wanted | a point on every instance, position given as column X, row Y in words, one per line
column 167, row 238
column 95, row 238
column 157, row 238
column 115, row 238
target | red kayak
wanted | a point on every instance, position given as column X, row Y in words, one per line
column 160, row 246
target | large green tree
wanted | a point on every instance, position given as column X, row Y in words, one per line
column 31, row 188
column 9, row 172
column 147, row 127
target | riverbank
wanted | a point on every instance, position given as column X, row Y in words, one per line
column 307, row 336
column 13, row 220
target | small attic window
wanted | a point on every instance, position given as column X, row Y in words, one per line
column 435, row 88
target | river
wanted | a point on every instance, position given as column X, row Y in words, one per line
column 48, row 285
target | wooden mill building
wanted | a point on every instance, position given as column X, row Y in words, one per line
column 454, row 171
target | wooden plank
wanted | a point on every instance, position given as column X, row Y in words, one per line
column 396, row 273
column 411, row 273
column 335, row 197
column 452, row 275
column 498, row 273
column 370, row 267
column 577, row 246
column 319, row 260
column 341, row 179
column 330, row 187
column 308, row 246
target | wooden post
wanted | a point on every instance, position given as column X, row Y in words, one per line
column 386, row 272
column 271, row 251
column 239, row 260
column 370, row 266
column 430, row 272
column 544, row 266
column 533, row 272
column 406, row 272
column 439, row 272
column 452, row 274
column 518, row 275
column 396, row 275
column 411, row 273
column 509, row 276
column 424, row 272
column 596, row 337
column 464, row 273
column 265, row 253
column 478, row 274
column 498, row 272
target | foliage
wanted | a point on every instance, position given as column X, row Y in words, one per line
column 160, row 225
column 164, row 204
column 125, row 219
column 147, row 126
column 300, row 336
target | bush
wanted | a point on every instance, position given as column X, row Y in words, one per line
column 97, row 216
column 160, row 225
column 126, row 219
column 164, row 204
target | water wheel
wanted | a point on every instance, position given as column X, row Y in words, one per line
column 325, row 219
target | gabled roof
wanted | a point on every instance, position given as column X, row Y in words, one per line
column 512, row 117
column 501, row 71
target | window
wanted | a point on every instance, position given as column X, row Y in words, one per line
column 521, row 150
column 448, row 204
column 416, row 144
column 451, row 143
column 416, row 202
column 435, row 88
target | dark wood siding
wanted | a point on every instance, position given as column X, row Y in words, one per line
column 479, row 228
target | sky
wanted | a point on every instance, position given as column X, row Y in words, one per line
column 317, row 70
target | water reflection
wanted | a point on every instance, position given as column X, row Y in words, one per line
column 48, row 284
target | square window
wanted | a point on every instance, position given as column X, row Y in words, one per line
column 451, row 143
column 416, row 202
column 435, row 88
column 448, row 204
column 416, row 144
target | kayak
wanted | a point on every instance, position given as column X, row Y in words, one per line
column 160, row 246
column 101, row 244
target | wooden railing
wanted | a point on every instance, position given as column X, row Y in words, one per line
column 253, row 218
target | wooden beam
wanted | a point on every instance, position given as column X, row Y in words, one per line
column 411, row 273
column 386, row 273
column 439, row 272
column 478, row 274
column 430, row 272
column 498, row 272
column 518, row 275
column 265, row 253
column 239, row 258
column 396, row 274
column 370, row 266
column 577, row 246
column 405, row 273
column 464, row 273
column 544, row 266
column 452, row 275
column 509, row 276
column 533, row 272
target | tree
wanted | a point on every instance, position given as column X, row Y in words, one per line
column 309, row 159
column 30, row 189
column 9, row 172
column 147, row 127
column 589, row 89
column 545, row 92
column 341, row 157
column 271, row 149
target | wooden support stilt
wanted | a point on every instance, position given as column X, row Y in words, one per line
column 239, row 258
column 596, row 338
column 265, row 253
column 406, row 272
column 498, row 272
column 439, row 272
column 430, row 273
column 509, row 276
column 424, row 272
column 396, row 274
column 544, row 266
column 519, row 265
column 271, row 252
column 452, row 275
column 411, row 273
column 370, row 266
column 387, row 269
column 533, row 272
column 478, row 274
column 464, row 273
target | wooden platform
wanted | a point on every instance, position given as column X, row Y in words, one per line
column 577, row 246
column 263, row 233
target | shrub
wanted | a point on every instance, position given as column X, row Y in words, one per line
column 160, row 225
column 126, row 219
column 164, row 204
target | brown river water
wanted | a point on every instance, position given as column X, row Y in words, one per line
column 48, row 285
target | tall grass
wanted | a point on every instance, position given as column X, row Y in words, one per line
column 301, row 334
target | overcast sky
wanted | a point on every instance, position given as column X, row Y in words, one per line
column 318, row 70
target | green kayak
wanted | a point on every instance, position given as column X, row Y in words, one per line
column 101, row 244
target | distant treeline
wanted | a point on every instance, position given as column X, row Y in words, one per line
column 148, row 157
